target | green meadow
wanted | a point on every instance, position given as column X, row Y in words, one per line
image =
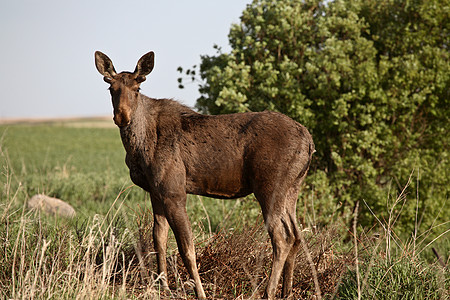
column 83, row 166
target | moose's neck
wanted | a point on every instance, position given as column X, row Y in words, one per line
column 140, row 134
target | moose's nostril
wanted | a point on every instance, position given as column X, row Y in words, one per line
column 121, row 121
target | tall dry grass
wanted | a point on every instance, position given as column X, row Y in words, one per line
column 43, row 260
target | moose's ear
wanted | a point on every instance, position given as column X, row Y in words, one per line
column 104, row 65
column 145, row 64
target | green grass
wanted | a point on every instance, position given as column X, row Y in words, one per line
column 83, row 166
column 401, row 279
column 45, row 148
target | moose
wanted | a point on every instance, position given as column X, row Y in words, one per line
column 172, row 151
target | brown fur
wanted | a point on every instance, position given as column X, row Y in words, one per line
column 172, row 151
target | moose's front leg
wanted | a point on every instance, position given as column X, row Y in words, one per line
column 175, row 211
column 160, row 232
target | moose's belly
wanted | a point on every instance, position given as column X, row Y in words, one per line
column 219, row 192
column 224, row 183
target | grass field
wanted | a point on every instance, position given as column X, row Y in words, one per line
column 106, row 250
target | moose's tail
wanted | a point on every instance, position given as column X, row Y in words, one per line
column 311, row 150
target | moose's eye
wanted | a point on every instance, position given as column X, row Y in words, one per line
column 114, row 91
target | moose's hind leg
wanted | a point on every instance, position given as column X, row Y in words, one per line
column 282, row 232
column 288, row 270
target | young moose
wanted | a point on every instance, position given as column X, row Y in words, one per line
column 172, row 151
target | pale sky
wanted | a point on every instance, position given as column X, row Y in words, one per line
column 47, row 50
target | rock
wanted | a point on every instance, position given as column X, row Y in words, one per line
column 51, row 206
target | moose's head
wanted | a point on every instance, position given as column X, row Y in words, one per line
column 124, row 87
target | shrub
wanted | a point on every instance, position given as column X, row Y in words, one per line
column 369, row 79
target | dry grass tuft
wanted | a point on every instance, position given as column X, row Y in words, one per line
column 330, row 264
column 236, row 264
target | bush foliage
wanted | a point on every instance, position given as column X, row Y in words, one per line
column 370, row 79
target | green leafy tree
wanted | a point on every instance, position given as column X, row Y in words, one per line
column 370, row 79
